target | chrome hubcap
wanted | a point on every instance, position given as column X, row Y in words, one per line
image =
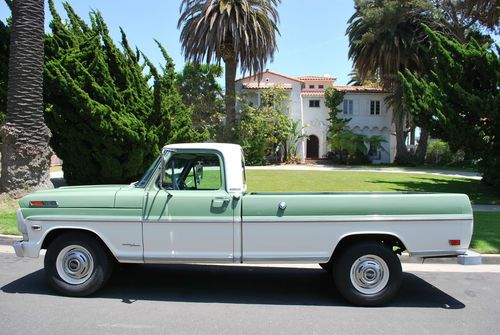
column 369, row 274
column 74, row 264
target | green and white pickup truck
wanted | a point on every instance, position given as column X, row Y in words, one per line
column 192, row 206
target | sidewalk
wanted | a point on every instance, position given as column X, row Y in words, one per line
column 486, row 208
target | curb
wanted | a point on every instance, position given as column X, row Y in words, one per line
column 485, row 259
column 405, row 257
column 9, row 239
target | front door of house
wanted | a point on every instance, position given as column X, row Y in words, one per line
column 313, row 147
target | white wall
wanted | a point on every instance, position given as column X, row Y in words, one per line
column 315, row 118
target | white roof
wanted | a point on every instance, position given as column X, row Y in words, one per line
column 232, row 159
column 214, row 146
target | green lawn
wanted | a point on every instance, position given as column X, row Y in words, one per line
column 293, row 180
column 8, row 223
column 486, row 238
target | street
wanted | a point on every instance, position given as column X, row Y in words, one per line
column 215, row 299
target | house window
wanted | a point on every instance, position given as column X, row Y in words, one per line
column 321, row 86
column 348, row 107
column 313, row 103
column 311, row 86
column 375, row 107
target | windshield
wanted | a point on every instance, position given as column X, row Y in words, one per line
column 143, row 181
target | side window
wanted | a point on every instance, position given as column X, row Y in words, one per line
column 187, row 171
column 375, row 107
column 348, row 107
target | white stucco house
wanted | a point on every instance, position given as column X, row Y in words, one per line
column 366, row 107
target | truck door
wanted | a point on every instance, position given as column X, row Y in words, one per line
column 191, row 218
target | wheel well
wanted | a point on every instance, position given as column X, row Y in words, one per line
column 391, row 241
column 53, row 234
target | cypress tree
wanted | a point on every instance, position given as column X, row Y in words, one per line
column 108, row 124
column 458, row 99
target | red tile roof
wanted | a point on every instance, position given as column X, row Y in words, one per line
column 360, row 89
column 312, row 93
column 266, row 85
column 316, row 78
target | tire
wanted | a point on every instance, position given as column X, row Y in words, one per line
column 367, row 274
column 77, row 264
column 326, row 266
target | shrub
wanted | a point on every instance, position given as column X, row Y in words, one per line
column 438, row 153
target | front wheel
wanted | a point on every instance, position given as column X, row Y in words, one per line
column 77, row 264
column 367, row 274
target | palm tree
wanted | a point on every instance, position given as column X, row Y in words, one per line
column 383, row 38
column 25, row 137
column 237, row 31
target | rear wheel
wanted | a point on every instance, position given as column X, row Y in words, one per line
column 77, row 264
column 367, row 274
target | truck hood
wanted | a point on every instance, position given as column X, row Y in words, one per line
column 96, row 196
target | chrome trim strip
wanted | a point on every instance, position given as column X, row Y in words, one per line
column 333, row 218
column 85, row 219
column 228, row 220
column 125, row 219
column 286, row 259
column 137, row 260
column 437, row 253
column 361, row 218
column 177, row 260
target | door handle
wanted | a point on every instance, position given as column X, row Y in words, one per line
column 220, row 201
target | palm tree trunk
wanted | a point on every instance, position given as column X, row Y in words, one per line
column 25, row 149
column 422, row 146
column 230, row 99
column 402, row 156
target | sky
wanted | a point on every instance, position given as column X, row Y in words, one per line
column 312, row 40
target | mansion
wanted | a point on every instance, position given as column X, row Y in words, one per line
column 364, row 105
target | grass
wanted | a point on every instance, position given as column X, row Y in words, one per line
column 303, row 180
column 486, row 237
column 8, row 208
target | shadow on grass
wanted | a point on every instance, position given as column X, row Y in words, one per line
column 478, row 192
column 236, row 285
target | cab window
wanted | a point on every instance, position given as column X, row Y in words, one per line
column 187, row 171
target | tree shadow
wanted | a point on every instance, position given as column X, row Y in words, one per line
column 477, row 191
column 235, row 285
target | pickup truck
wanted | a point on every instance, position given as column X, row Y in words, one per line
column 192, row 206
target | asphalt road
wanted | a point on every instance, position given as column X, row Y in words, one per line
column 188, row 299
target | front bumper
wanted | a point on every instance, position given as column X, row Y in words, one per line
column 26, row 249
column 19, row 248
